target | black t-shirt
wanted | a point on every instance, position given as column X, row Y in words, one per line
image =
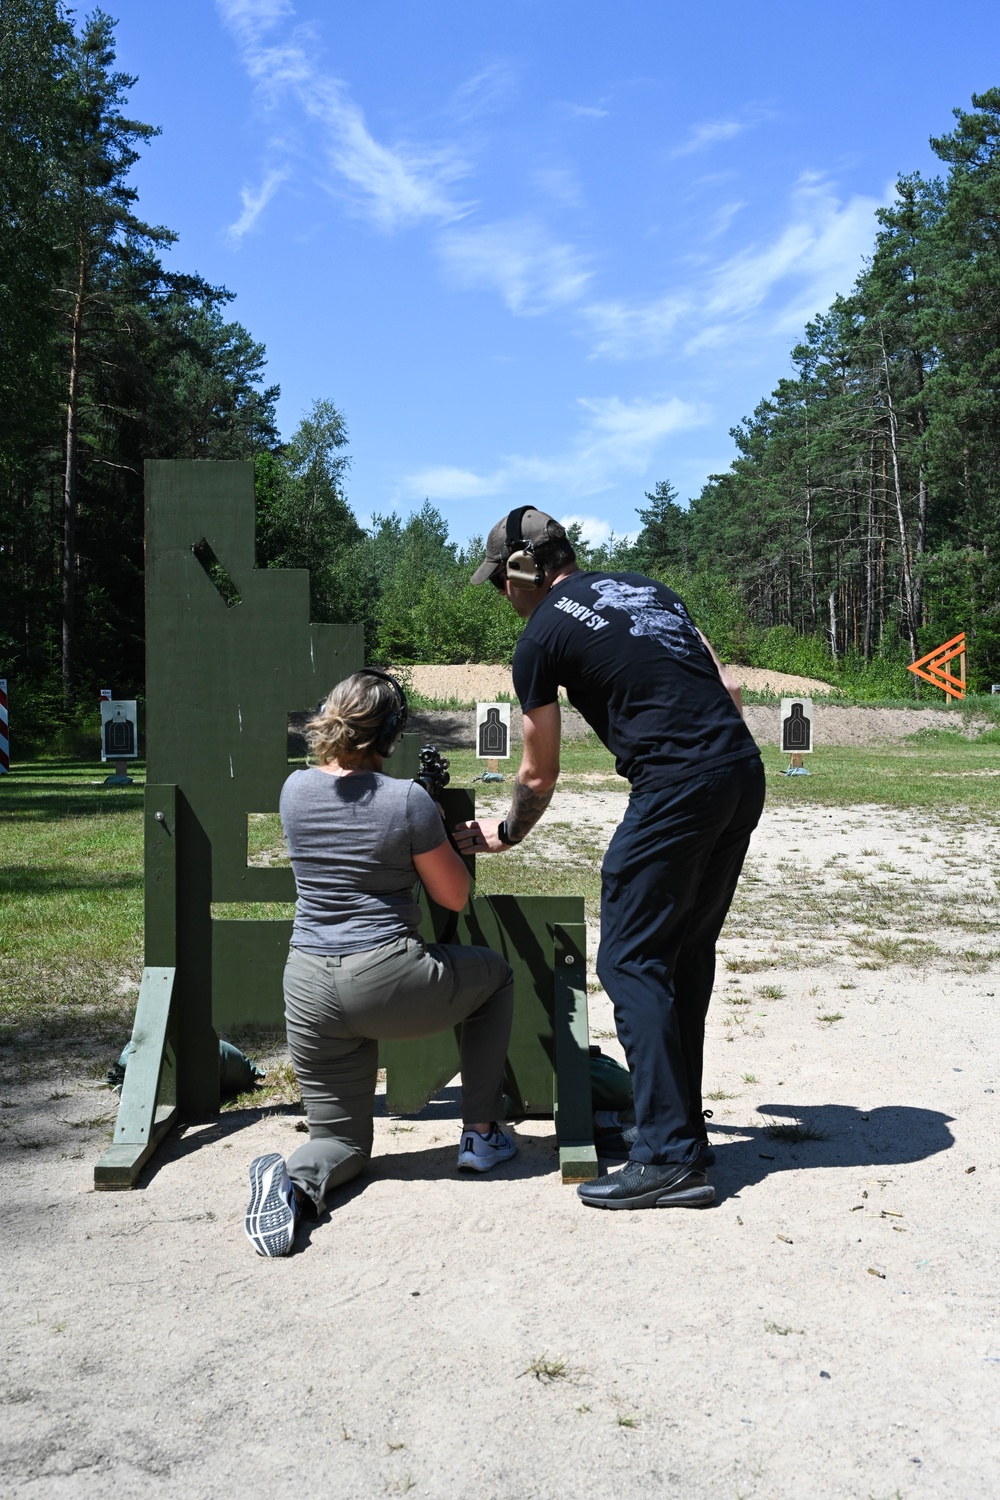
column 626, row 651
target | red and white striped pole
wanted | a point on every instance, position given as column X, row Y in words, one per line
column 4, row 729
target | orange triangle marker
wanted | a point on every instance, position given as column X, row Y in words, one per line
column 932, row 667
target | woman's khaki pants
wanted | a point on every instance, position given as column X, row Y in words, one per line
column 338, row 1008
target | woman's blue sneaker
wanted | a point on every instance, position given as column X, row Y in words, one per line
column 480, row 1153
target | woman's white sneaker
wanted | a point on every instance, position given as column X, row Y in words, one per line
column 270, row 1216
column 479, row 1153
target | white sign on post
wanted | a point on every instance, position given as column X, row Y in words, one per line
column 492, row 731
column 119, row 729
column 797, row 726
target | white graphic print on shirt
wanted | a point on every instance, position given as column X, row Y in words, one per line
column 580, row 612
column 648, row 616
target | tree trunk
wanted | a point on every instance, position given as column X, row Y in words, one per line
column 870, row 581
column 904, row 543
column 922, row 494
column 810, row 553
column 833, row 622
column 68, row 567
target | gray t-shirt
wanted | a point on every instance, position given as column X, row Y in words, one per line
column 352, row 840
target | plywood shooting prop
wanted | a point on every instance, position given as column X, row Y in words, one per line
column 231, row 654
column 932, row 667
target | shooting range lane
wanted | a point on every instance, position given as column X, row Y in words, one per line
column 150, row 1353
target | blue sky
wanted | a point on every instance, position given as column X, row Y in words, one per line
column 544, row 252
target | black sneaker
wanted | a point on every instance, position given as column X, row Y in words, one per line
column 639, row 1186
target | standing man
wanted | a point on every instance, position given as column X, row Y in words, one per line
column 648, row 683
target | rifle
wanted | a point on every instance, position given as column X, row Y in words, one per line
column 434, row 776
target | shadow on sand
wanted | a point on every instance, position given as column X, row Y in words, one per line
column 833, row 1135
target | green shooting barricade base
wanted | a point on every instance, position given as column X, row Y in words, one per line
column 230, row 653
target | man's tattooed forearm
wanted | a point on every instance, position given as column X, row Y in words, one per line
column 526, row 808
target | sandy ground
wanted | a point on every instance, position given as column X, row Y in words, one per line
column 471, row 683
column 827, row 1329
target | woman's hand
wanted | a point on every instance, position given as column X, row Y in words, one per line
column 479, row 837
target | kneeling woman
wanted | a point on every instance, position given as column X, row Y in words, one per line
column 357, row 971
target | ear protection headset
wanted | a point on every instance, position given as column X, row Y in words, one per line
column 391, row 729
column 521, row 568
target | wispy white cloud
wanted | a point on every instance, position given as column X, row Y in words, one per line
column 518, row 258
column 254, row 200
column 721, row 219
column 393, row 185
column 710, row 133
column 772, row 288
column 616, row 438
column 582, row 111
column 817, row 255
column 490, row 89
column 628, row 328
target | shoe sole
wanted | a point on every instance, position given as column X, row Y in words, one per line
column 269, row 1221
column 467, row 1162
column 692, row 1197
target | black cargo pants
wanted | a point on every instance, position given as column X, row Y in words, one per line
column 667, row 883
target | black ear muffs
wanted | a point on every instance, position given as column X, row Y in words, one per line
column 393, row 726
column 521, row 568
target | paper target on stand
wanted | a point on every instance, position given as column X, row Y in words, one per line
column 797, row 726
column 492, row 731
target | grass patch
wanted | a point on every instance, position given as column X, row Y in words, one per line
column 548, row 1370
column 793, row 1135
column 771, row 991
column 881, row 952
column 828, row 1020
column 70, row 905
column 739, row 965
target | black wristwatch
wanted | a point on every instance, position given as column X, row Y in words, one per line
column 503, row 835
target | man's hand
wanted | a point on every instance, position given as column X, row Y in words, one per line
column 479, row 837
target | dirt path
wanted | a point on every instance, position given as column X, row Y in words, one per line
column 471, row 682
column 827, row 1329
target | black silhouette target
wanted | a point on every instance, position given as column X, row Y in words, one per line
column 118, row 729
column 796, row 726
column 492, row 731
column 493, row 735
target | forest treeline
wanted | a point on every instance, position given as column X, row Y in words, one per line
column 863, row 510
column 855, row 529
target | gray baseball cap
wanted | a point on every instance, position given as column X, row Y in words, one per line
column 535, row 527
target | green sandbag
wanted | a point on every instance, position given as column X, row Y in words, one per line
column 610, row 1083
column 237, row 1073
